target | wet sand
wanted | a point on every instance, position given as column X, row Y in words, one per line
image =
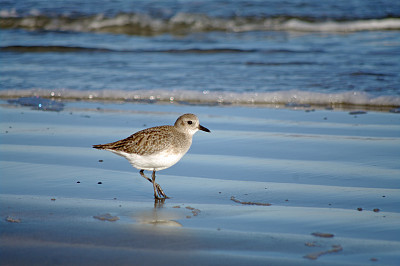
column 267, row 186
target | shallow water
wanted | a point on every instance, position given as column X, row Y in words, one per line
column 322, row 171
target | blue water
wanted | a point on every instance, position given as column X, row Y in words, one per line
column 314, row 52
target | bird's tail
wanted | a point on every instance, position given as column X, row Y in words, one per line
column 100, row 146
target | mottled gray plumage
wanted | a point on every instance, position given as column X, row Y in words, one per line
column 150, row 141
column 157, row 148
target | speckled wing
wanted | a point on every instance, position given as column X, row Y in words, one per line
column 145, row 142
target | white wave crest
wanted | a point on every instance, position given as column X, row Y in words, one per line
column 181, row 23
column 295, row 97
column 345, row 26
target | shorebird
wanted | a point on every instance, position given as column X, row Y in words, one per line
column 157, row 148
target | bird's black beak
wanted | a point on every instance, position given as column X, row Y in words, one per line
column 204, row 128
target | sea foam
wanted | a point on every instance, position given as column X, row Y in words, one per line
column 289, row 98
column 182, row 23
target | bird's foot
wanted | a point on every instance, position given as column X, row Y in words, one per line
column 160, row 193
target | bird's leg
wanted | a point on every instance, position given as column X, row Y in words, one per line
column 142, row 174
column 157, row 188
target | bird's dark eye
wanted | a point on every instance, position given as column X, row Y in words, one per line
column 189, row 122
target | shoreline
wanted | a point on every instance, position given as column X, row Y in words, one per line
column 282, row 100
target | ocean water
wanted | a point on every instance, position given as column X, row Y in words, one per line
column 330, row 53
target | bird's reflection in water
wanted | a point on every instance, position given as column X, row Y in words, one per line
column 159, row 203
column 160, row 216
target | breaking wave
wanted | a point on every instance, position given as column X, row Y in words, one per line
column 292, row 98
column 184, row 23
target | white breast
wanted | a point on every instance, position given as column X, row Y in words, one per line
column 152, row 162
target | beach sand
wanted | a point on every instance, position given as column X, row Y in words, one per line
column 267, row 187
